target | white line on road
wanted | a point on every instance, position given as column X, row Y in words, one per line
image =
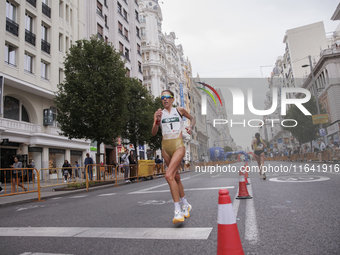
column 39, row 253
column 251, row 231
column 110, row 194
column 56, row 198
column 79, row 196
column 168, row 190
column 126, row 233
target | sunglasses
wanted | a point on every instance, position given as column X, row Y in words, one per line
column 166, row 97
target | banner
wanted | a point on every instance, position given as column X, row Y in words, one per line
column 181, row 94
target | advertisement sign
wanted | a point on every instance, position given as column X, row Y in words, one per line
column 333, row 128
column 181, row 94
column 279, row 140
column 320, row 119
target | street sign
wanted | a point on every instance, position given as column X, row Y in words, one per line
column 320, row 119
column 322, row 131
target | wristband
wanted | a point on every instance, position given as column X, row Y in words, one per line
column 158, row 122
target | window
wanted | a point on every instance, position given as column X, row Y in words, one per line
column 28, row 63
column 120, row 27
column 61, row 9
column 61, row 42
column 119, row 7
column 61, row 75
column 143, row 44
column 138, row 49
column 100, row 31
column 105, row 3
column 142, row 19
column 67, row 14
column 46, row 9
column 106, row 40
column 10, row 54
column 43, row 32
column 99, row 8
column 11, row 11
column 136, row 15
column 121, row 47
column 140, row 67
column 11, row 108
column 71, row 17
column 126, row 33
column 44, row 73
column 127, row 72
column 105, row 18
column 67, row 44
column 28, row 22
column 142, row 31
column 125, row 14
column 127, row 54
column 137, row 32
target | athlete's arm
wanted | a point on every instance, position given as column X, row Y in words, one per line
column 252, row 145
column 185, row 113
column 156, row 121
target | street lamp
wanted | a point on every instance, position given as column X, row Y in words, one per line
column 314, row 89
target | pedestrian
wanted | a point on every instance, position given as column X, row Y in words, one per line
column 322, row 148
column 88, row 164
column 171, row 122
column 77, row 170
column 30, row 171
column 67, row 168
column 125, row 158
column 258, row 146
column 133, row 166
column 17, row 175
column 158, row 163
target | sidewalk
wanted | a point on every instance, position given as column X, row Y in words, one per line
column 46, row 193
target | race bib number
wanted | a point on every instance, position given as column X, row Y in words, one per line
column 171, row 125
column 260, row 146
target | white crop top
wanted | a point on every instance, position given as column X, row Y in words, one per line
column 171, row 124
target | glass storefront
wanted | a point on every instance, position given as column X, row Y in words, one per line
column 56, row 160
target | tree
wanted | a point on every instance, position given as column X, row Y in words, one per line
column 139, row 121
column 227, row 148
column 91, row 101
column 304, row 131
column 155, row 142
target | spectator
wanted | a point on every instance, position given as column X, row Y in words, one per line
column 159, row 163
column 126, row 163
column 88, row 162
column 17, row 174
column 77, row 170
column 30, row 172
column 67, row 168
column 133, row 167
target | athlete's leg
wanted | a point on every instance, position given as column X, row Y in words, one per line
column 259, row 164
column 262, row 163
column 180, row 185
column 171, row 171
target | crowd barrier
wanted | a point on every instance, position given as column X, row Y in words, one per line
column 319, row 156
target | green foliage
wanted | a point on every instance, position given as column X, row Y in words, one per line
column 155, row 142
column 138, row 123
column 227, row 148
column 305, row 131
column 92, row 100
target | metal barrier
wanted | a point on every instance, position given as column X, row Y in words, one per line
column 330, row 156
column 15, row 177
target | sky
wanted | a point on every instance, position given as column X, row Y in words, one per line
column 239, row 39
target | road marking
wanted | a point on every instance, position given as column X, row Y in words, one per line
column 39, row 253
column 215, row 175
column 251, row 231
column 126, row 233
column 56, row 198
column 300, row 179
column 79, row 196
column 168, row 190
column 110, row 194
column 236, row 204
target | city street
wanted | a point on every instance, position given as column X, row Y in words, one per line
column 290, row 213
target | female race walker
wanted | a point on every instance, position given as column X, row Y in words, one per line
column 259, row 146
column 173, row 150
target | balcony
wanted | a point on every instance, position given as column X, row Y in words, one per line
column 46, row 10
column 107, row 26
column 45, row 46
column 126, row 38
column 19, row 126
column 29, row 37
column 138, row 52
column 32, row 2
column 125, row 2
column 137, row 19
column 140, row 70
column 136, row 3
column 125, row 18
column 100, row 36
column 146, row 77
column 99, row 12
column 12, row 27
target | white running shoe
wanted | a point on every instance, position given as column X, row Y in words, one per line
column 178, row 217
column 186, row 210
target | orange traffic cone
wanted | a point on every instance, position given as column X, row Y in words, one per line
column 228, row 237
column 242, row 191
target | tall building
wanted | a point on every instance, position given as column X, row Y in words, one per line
column 163, row 60
column 301, row 42
column 35, row 36
column 116, row 22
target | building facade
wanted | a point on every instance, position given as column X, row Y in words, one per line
column 35, row 35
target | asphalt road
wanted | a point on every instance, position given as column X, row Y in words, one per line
column 290, row 213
